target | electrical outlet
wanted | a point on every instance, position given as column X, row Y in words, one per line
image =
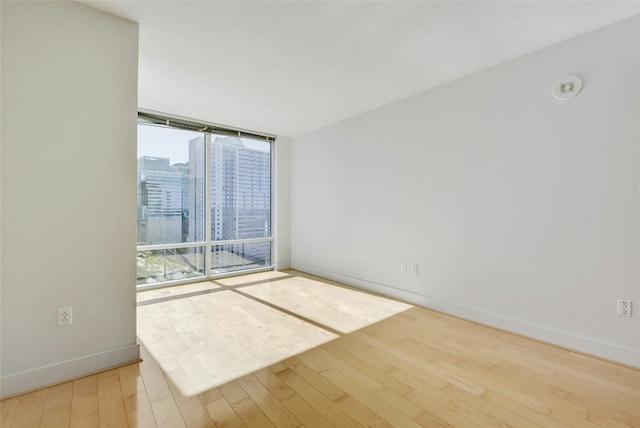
column 65, row 316
column 624, row 307
column 403, row 266
column 414, row 269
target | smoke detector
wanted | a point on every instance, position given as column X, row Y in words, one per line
column 567, row 87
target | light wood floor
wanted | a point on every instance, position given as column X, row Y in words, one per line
column 285, row 349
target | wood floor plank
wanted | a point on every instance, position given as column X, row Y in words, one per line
column 620, row 397
column 443, row 411
column 327, row 388
column 251, row 415
column 111, row 411
column 383, row 409
column 8, row 409
column 426, row 419
column 216, row 356
column 581, row 395
column 305, row 413
column 195, row 415
column 481, row 417
column 57, row 409
column 479, row 354
column 368, row 369
column 268, row 377
column 561, row 409
column 209, row 395
column 139, row 411
column 84, row 404
column 233, row 392
column 361, row 349
column 363, row 414
column 492, row 411
column 312, row 361
column 399, row 402
column 30, row 409
column 131, row 382
column 582, row 379
column 59, row 416
column 570, row 417
column 608, row 421
column 353, row 373
column 605, row 411
column 223, row 414
column 167, row 413
column 404, row 357
column 59, row 395
column 317, row 400
column 153, row 378
column 193, row 412
column 277, row 413
column 505, row 390
column 540, row 419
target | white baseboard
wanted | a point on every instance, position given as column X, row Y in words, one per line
column 564, row 339
column 71, row 369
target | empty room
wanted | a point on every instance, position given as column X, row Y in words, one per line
column 319, row 214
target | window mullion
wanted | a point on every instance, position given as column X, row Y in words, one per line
column 240, row 224
column 207, row 204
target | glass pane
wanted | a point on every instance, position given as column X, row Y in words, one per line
column 169, row 264
column 240, row 188
column 236, row 257
column 170, row 185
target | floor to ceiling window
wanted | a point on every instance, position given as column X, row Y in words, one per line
column 204, row 201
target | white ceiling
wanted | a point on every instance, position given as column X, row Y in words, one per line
column 290, row 67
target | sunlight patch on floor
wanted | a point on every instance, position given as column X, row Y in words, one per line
column 206, row 340
column 341, row 309
column 206, row 334
column 168, row 292
column 254, row 277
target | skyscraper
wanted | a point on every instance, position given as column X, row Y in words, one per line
column 195, row 207
column 159, row 201
column 171, row 201
column 186, row 179
column 254, row 201
column 240, row 195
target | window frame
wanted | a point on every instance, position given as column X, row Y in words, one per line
column 208, row 130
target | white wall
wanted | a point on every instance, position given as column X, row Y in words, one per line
column 69, row 104
column 521, row 211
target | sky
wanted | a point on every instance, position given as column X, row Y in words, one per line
column 174, row 143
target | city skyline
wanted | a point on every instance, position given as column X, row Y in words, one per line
column 161, row 140
column 172, row 198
